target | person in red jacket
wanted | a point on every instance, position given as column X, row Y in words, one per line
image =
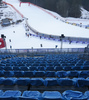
column 2, row 41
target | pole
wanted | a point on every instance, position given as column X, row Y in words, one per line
column 61, row 37
column 61, row 44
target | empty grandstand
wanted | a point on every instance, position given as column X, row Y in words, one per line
column 40, row 63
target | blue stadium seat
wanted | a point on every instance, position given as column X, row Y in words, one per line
column 10, row 95
column 51, row 95
column 42, row 64
column 1, row 93
column 37, row 82
column 1, row 67
column 23, row 81
column 1, row 73
column 1, row 80
column 35, row 64
column 81, row 82
column 31, row 95
column 39, row 73
column 85, row 82
column 73, row 95
column 83, row 74
column 49, row 64
column 66, row 68
column 40, row 68
column 51, row 82
column 9, row 81
column 61, row 74
column 57, row 64
column 50, row 74
column 85, row 67
column 58, row 68
column 18, row 73
column 49, row 68
column 7, row 68
column 65, row 82
column 24, row 68
column 32, row 68
column 76, row 67
column 87, row 94
column 8, row 73
column 29, row 73
column 16, row 68
column 73, row 73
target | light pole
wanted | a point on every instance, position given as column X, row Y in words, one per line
column 61, row 38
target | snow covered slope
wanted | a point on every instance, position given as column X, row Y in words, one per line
column 42, row 22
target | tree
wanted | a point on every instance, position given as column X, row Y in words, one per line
column 50, row 4
column 74, row 8
column 66, row 8
column 62, row 7
column 85, row 4
column 0, row 1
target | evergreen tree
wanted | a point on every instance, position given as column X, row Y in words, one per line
column 40, row 3
column 0, row 1
column 85, row 4
column 66, row 8
column 50, row 4
column 74, row 8
column 62, row 7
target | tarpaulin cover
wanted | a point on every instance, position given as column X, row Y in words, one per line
column 51, row 82
column 87, row 94
column 73, row 73
column 36, row 81
column 79, row 82
column 50, row 74
column 61, row 74
column 74, row 95
column 65, row 82
column 10, row 95
column 31, row 95
column 23, row 81
column 39, row 73
column 83, row 74
column 51, row 95
column 1, row 92
column 9, row 81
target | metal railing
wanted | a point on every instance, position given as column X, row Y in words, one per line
column 43, row 50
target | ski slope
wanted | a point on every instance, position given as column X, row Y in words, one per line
column 44, row 23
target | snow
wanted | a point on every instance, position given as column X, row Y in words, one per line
column 44, row 23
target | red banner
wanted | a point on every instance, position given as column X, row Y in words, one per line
column 2, row 43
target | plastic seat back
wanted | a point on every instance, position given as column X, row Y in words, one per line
column 51, row 95
column 31, row 95
column 11, row 95
column 74, row 95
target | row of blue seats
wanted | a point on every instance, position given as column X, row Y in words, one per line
column 46, row 95
column 61, row 59
column 40, row 68
column 44, row 62
column 76, row 82
column 65, row 66
column 29, row 63
column 6, row 56
column 60, row 74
